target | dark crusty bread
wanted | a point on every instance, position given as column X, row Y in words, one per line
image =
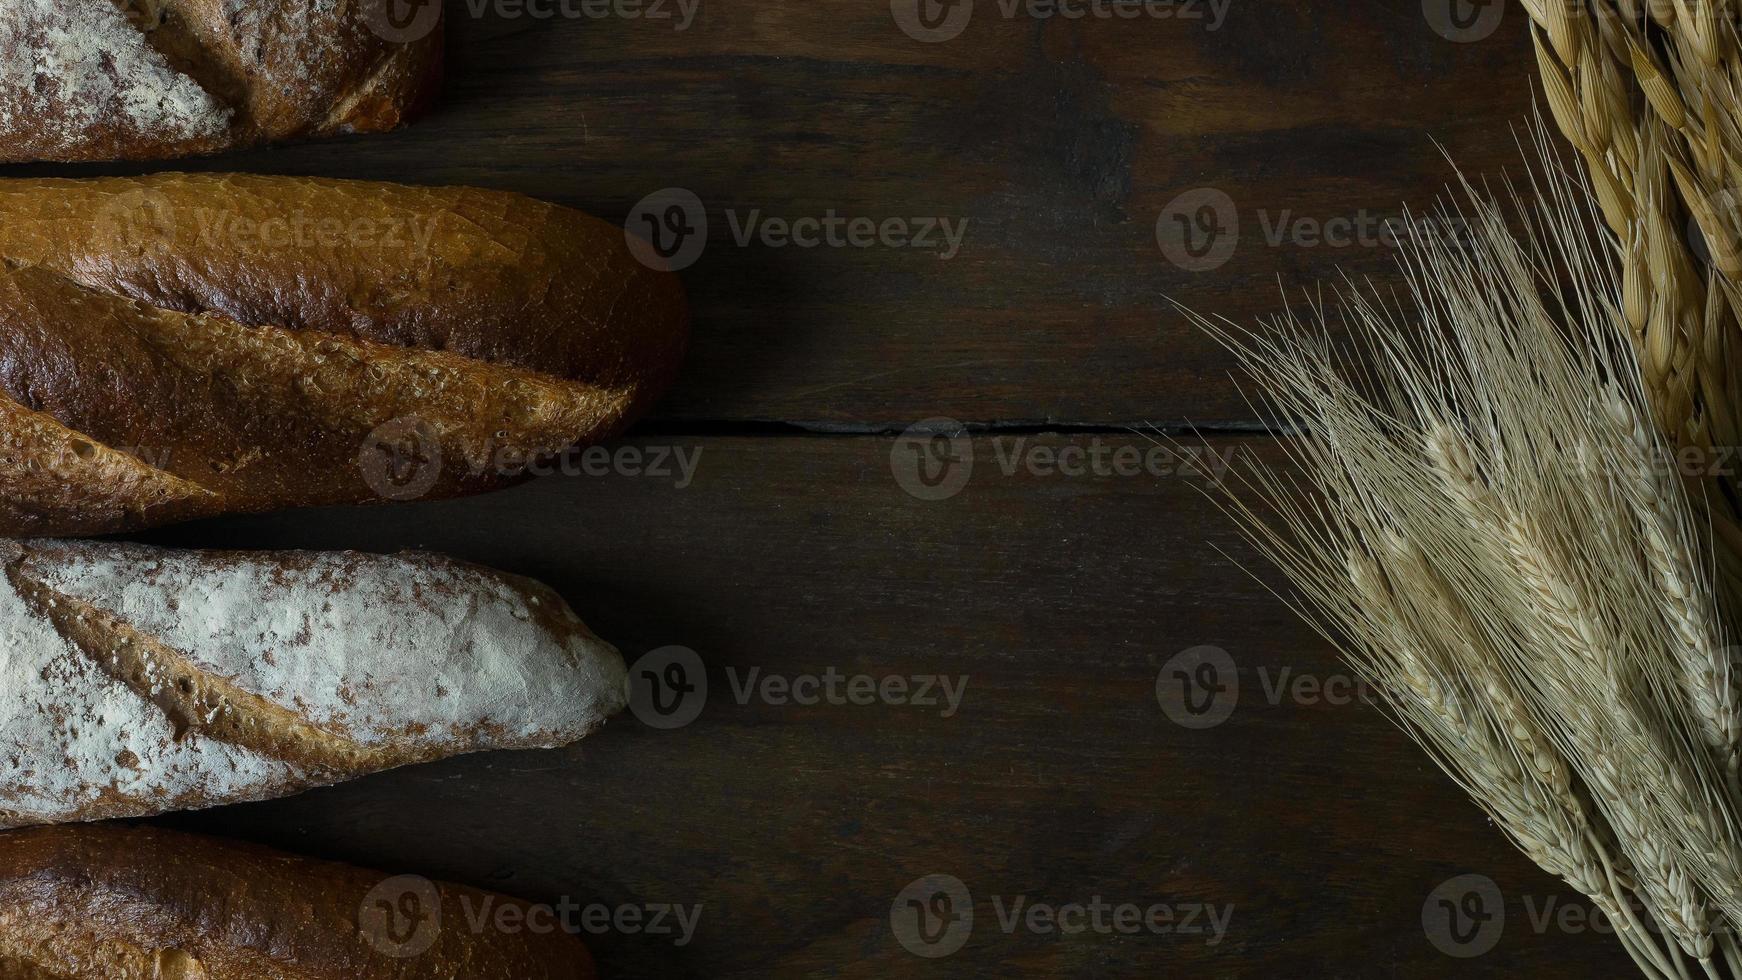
column 135, row 681
column 137, row 903
column 155, row 79
column 177, row 346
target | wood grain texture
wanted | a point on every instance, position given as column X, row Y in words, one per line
column 1060, row 142
column 1060, row 778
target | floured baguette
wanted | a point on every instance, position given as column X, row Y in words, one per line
column 179, row 346
column 154, row 79
column 136, row 681
column 109, row 902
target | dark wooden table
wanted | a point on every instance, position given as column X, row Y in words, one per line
column 1314, row 832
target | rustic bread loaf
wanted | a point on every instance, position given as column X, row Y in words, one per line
column 136, row 903
column 155, row 79
column 136, row 681
column 179, row 345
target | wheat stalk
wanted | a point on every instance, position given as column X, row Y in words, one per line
column 1703, row 665
column 1483, row 524
column 1650, row 93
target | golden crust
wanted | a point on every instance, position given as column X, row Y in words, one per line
column 107, row 902
column 269, row 342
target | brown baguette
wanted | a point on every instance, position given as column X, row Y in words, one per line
column 136, row 681
column 179, row 346
column 156, row 79
column 138, row 903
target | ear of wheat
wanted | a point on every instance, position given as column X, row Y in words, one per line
column 1479, row 512
column 1650, row 93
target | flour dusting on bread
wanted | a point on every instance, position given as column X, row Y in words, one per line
column 156, row 79
column 72, row 67
column 71, row 737
column 408, row 657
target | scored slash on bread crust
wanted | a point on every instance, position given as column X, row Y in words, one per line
column 206, row 393
column 109, row 902
column 195, row 702
column 136, row 681
column 155, row 79
column 169, row 355
column 54, row 478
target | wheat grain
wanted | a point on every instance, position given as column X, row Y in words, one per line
column 1666, row 146
column 1702, row 660
column 1477, row 727
column 1619, row 751
column 1482, row 523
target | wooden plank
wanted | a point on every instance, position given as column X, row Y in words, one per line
column 1060, row 778
column 1060, row 144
